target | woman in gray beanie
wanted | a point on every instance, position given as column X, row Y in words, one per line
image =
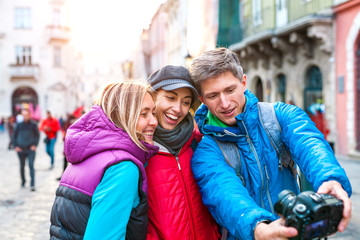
column 176, row 209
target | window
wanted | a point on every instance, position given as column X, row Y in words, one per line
column 259, row 90
column 256, row 12
column 22, row 18
column 57, row 56
column 281, row 91
column 313, row 89
column 23, row 55
column 56, row 18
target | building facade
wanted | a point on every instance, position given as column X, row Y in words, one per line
column 179, row 31
column 286, row 49
column 36, row 60
column 347, row 58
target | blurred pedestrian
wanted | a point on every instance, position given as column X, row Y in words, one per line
column 50, row 126
column 103, row 191
column 10, row 127
column 26, row 139
column 69, row 121
column 2, row 125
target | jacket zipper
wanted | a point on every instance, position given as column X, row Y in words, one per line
column 187, row 198
column 267, row 190
column 178, row 163
column 258, row 163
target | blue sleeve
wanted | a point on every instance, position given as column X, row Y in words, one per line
column 308, row 147
column 112, row 202
column 222, row 192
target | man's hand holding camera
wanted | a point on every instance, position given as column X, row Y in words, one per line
column 334, row 188
column 274, row 230
column 309, row 214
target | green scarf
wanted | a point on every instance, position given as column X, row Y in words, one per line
column 214, row 121
column 176, row 138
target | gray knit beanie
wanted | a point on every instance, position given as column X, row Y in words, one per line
column 171, row 78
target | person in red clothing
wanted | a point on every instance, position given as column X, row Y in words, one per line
column 50, row 126
column 176, row 210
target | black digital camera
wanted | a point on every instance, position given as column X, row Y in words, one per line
column 313, row 215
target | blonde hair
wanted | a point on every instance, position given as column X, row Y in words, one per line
column 213, row 63
column 121, row 102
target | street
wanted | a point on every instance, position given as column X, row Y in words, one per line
column 24, row 215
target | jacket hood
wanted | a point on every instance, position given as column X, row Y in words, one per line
column 201, row 117
column 94, row 133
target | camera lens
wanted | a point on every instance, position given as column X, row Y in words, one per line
column 285, row 202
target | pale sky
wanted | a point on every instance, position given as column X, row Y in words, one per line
column 110, row 26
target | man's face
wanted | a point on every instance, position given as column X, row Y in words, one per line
column 224, row 96
column 26, row 115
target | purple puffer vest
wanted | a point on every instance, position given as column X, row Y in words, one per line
column 93, row 144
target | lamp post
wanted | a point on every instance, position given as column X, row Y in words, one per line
column 188, row 60
column 197, row 103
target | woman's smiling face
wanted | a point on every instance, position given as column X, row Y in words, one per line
column 172, row 106
column 147, row 121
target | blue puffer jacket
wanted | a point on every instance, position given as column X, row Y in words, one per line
column 239, row 208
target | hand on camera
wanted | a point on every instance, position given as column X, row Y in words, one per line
column 334, row 188
column 275, row 230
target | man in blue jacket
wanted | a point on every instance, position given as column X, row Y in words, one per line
column 230, row 114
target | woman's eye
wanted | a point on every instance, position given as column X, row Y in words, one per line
column 170, row 98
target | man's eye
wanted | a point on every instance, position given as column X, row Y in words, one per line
column 211, row 96
column 231, row 90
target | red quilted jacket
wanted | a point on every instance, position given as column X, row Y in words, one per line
column 176, row 209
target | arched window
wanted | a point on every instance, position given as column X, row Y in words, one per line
column 259, row 89
column 313, row 88
column 281, row 88
column 21, row 96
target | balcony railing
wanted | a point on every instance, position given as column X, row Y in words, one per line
column 24, row 71
column 58, row 33
column 295, row 10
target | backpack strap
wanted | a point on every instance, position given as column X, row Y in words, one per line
column 194, row 144
column 272, row 128
column 232, row 156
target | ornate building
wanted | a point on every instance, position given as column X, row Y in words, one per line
column 35, row 57
column 286, row 49
column 179, row 31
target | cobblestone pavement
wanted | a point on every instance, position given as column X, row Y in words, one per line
column 24, row 215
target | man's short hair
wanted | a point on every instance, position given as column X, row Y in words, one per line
column 213, row 63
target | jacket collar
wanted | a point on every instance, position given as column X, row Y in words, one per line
column 245, row 120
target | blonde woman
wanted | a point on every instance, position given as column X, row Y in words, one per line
column 103, row 192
